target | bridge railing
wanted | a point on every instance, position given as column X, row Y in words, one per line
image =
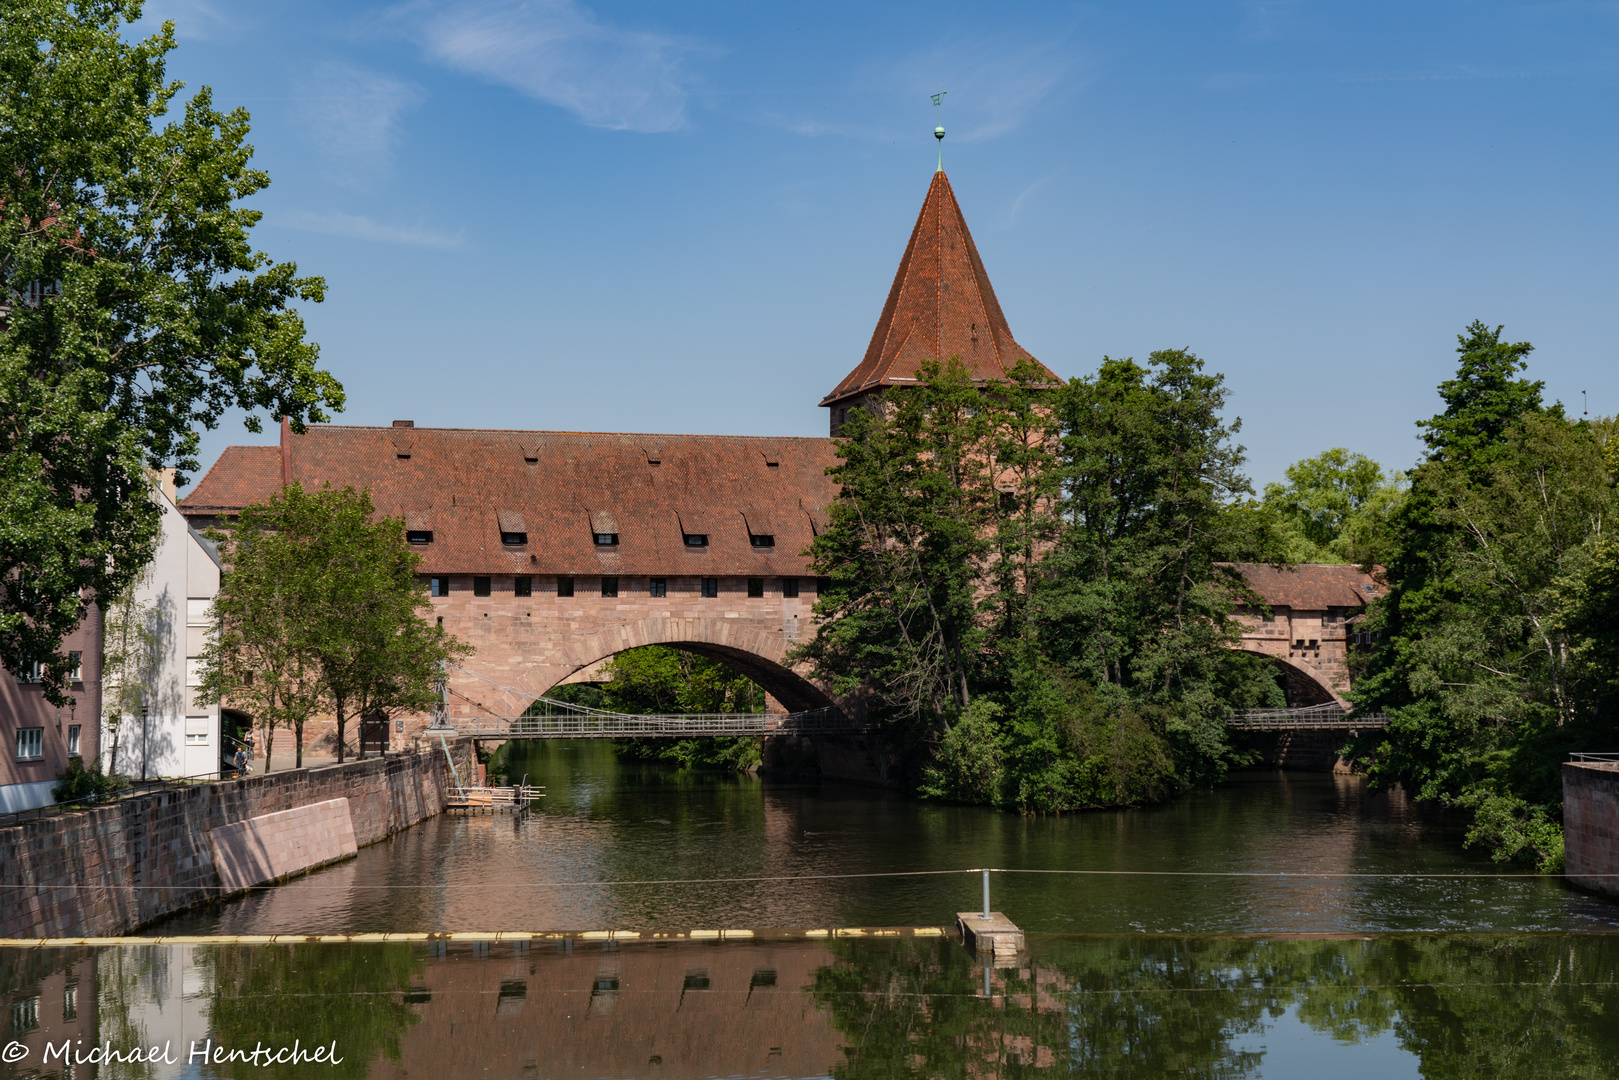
column 1331, row 715
column 592, row 723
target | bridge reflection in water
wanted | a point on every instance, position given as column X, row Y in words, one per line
column 1128, row 1006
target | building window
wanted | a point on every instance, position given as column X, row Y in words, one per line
column 73, row 740
column 70, row 1003
column 606, row 539
column 197, row 740
column 696, row 539
column 438, row 585
column 822, row 584
column 564, row 586
column 75, row 662
column 418, row 536
column 609, row 586
column 480, row 586
column 756, row 586
column 762, row 540
column 25, row 1015
column 32, row 671
column 514, row 538
column 711, row 587
column 30, row 743
column 523, row 586
column 658, row 587
column 789, row 587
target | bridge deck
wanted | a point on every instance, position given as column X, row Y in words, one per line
column 588, row 724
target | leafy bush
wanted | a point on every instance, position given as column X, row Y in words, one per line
column 80, row 781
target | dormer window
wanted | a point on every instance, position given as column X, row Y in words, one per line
column 696, row 540
column 606, row 539
column 514, row 538
column 762, row 540
column 418, row 536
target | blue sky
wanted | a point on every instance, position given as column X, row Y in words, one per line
column 685, row 217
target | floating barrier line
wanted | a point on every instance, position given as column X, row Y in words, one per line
column 464, row 937
column 1279, row 874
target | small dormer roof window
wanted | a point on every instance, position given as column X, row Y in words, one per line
column 695, row 540
column 762, row 540
column 514, row 538
column 418, row 536
column 605, row 539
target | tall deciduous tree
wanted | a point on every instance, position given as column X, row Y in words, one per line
column 135, row 308
column 322, row 607
column 1336, row 507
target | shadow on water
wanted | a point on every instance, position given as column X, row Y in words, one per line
column 1397, row 1005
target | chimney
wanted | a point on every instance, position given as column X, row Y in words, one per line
column 404, row 423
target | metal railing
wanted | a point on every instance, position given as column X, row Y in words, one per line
column 564, row 721
column 1594, row 757
column 1329, row 716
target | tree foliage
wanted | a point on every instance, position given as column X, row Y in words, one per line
column 320, row 608
column 1492, row 659
column 1024, row 579
column 1336, row 507
column 136, row 309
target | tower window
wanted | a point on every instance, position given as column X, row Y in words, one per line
column 762, row 540
column 564, row 586
column 609, row 586
column 73, row 739
column 606, row 539
column 789, row 587
column 480, row 586
column 711, row 587
column 756, row 586
column 696, row 540
column 30, row 743
column 523, row 586
column 658, row 587
column 418, row 536
column 438, row 585
column 514, row 538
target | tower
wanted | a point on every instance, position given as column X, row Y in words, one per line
column 940, row 305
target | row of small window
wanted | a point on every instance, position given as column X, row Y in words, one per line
column 439, row 585
column 35, row 672
column 517, row 539
column 31, row 742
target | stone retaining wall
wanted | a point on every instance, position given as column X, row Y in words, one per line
column 110, row 869
column 1591, row 824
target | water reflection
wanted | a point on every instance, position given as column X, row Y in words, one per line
column 1404, row 1005
column 606, row 822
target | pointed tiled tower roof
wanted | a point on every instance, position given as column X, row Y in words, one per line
column 941, row 305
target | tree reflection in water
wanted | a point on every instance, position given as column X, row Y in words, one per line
column 1509, row 1006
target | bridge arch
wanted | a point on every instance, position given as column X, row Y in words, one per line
column 1304, row 685
column 750, row 650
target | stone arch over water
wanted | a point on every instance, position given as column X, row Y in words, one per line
column 742, row 646
column 1303, row 686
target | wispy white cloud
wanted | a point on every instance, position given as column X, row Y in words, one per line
column 359, row 227
column 1025, row 195
column 196, row 20
column 354, row 116
column 559, row 52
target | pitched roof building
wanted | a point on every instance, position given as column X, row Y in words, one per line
column 941, row 305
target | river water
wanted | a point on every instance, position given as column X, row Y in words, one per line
column 1198, row 865
column 1388, row 950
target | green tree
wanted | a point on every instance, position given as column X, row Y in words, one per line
column 136, row 308
column 1136, row 603
column 1495, row 550
column 322, row 606
column 1335, row 507
column 655, row 679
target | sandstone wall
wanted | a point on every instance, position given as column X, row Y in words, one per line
column 1591, row 825
column 110, row 869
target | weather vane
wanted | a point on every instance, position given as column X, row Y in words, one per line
column 938, row 132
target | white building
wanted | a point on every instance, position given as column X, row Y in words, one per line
column 175, row 734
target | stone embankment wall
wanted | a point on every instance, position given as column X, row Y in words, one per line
column 1313, row 750
column 1591, row 825
column 110, row 869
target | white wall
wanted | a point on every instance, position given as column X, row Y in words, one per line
column 178, row 736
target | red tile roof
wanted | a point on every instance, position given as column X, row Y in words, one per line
column 561, row 487
column 941, row 305
column 1311, row 586
column 242, row 475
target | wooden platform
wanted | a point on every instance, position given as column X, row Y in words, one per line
column 494, row 799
